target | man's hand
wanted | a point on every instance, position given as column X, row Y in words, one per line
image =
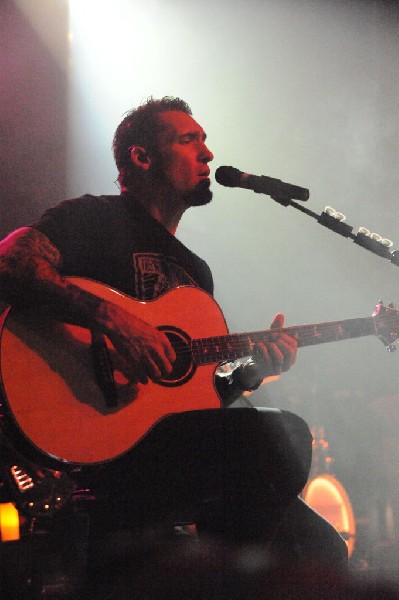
column 146, row 350
column 278, row 355
column 272, row 358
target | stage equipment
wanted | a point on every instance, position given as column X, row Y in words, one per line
column 326, row 494
column 9, row 522
column 34, row 490
column 275, row 188
column 285, row 193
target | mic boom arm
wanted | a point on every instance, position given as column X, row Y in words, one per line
column 283, row 193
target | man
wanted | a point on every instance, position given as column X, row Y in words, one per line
column 160, row 176
column 128, row 242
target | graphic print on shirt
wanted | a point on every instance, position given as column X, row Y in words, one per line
column 155, row 274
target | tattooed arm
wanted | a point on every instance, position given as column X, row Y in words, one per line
column 29, row 277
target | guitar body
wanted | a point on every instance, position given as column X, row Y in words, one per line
column 57, row 406
column 52, row 400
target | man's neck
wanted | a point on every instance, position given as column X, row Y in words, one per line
column 168, row 216
column 167, row 211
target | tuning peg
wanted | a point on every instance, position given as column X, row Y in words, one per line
column 378, row 308
column 390, row 348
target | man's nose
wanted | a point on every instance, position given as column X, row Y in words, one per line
column 206, row 154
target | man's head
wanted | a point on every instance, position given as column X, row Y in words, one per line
column 159, row 143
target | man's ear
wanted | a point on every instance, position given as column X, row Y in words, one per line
column 140, row 157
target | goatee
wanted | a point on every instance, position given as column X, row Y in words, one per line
column 200, row 195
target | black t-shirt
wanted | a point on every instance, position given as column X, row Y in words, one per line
column 115, row 241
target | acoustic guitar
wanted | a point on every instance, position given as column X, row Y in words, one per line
column 68, row 398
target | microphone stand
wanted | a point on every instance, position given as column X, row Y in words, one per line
column 333, row 220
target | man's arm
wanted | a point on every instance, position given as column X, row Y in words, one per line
column 30, row 277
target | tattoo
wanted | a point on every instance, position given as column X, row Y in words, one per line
column 29, row 277
column 25, row 249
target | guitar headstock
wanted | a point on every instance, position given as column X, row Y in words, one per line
column 386, row 322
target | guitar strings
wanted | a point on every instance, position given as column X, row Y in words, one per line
column 243, row 344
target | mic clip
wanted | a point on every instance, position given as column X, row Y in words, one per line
column 278, row 190
column 283, row 200
column 335, row 224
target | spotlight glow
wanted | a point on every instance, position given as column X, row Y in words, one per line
column 115, row 63
column 328, row 497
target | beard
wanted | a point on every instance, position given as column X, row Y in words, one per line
column 200, row 195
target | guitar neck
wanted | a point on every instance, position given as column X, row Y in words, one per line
column 234, row 346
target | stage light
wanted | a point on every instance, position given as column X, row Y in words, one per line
column 9, row 522
column 328, row 497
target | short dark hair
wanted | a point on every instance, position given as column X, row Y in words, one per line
column 141, row 127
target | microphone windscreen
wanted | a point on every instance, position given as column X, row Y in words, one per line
column 228, row 176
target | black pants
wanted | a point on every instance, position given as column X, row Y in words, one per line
column 303, row 535
column 235, row 473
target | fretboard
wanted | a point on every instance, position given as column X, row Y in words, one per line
column 231, row 347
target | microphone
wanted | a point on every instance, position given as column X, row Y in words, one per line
column 277, row 189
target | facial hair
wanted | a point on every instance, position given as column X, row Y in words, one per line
column 200, row 195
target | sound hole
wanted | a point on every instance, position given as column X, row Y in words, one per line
column 183, row 368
